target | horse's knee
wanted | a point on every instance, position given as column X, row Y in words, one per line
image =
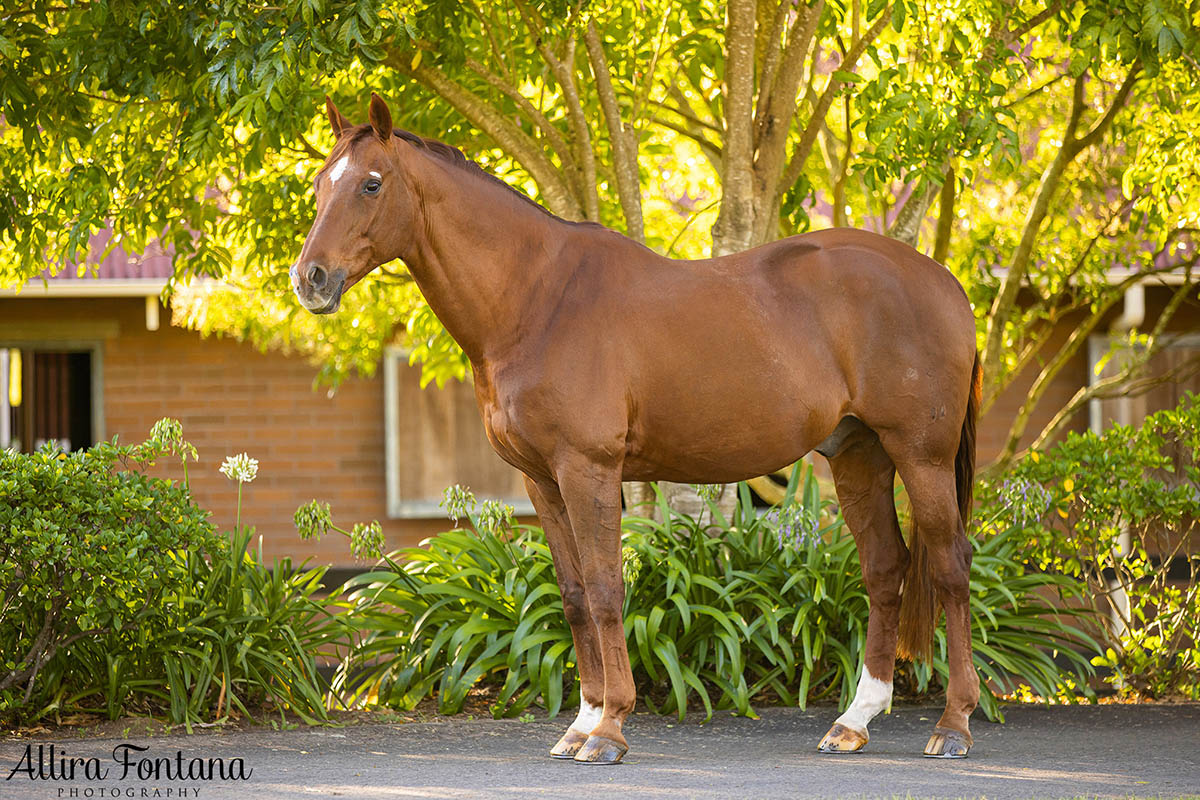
column 606, row 602
column 575, row 605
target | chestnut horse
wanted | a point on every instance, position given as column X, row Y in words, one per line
column 597, row 360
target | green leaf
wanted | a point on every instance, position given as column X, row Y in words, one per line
column 8, row 49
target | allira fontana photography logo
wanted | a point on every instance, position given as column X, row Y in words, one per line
column 144, row 774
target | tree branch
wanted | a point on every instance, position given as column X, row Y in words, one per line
column 1118, row 102
column 641, row 96
column 809, row 137
column 555, row 139
column 42, row 643
column 1031, row 23
column 906, row 227
column 624, row 140
column 1002, row 306
column 711, row 150
column 1042, row 382
column 1071, row 347
column 564, row 73
column 945, row 223
column 770, row 57
column 503, row 131
column 777, row 96
column 1054, row 310
column 1072, row 146
column 775, row 123
column 310, row 150
column 734, row 226
column 684, row 109
column 486, row 23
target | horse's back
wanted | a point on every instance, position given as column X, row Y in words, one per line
column 846, row 257
column 899, row 324
column 862, row 282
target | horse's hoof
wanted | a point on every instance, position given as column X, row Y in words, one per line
column 600, row 750
column 948, row 743
column 842, row 739
column 569, row 744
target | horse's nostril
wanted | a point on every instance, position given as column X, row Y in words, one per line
column 316, row 277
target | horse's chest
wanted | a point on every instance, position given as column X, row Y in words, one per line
column 505, row 412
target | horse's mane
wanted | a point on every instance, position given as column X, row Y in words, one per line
column 456, row 158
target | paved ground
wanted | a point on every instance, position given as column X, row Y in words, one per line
column 1108, row 751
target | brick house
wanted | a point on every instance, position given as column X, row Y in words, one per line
column 83, row 360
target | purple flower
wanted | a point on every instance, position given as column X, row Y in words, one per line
column 1025, row 500
column 794, row 525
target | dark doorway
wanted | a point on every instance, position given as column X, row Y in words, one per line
column 47, row 395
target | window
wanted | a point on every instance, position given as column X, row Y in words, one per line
column 434, row 438
column 49, row 395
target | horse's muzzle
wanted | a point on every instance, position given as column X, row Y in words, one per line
column 318, row 288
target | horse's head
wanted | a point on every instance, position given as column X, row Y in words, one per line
column 363, row 209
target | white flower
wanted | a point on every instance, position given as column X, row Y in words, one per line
column 241, row 468
column 458, row 502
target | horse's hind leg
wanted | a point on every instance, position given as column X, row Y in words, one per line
column 552, row 513
column 939, row 530
column 864, row 476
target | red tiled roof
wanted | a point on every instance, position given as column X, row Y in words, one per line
column 118, row 265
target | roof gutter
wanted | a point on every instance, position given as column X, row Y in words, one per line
column 84, row 287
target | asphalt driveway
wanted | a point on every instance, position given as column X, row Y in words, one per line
column 1107, row 751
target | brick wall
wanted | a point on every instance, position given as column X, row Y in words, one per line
column 231, row 398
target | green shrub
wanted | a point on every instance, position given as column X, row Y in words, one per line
column 86, row 555
column 119, row 596
column 773, row 605
column 1072, row 504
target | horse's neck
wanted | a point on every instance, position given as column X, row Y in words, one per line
column 484, row 259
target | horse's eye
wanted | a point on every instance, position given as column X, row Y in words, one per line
column 371, row 186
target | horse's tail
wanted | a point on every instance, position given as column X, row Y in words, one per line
column 918, row 606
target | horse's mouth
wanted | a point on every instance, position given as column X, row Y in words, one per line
column 332, row 305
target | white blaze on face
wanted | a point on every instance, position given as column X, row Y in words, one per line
column 872, row 697
column 338, row 169
column 588, row 717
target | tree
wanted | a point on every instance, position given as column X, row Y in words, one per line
column 202, row 127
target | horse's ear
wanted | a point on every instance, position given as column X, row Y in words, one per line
column 381, row 118
column 339, row 123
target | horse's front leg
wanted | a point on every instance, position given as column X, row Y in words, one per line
column 552, row 513
column 591, row 490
